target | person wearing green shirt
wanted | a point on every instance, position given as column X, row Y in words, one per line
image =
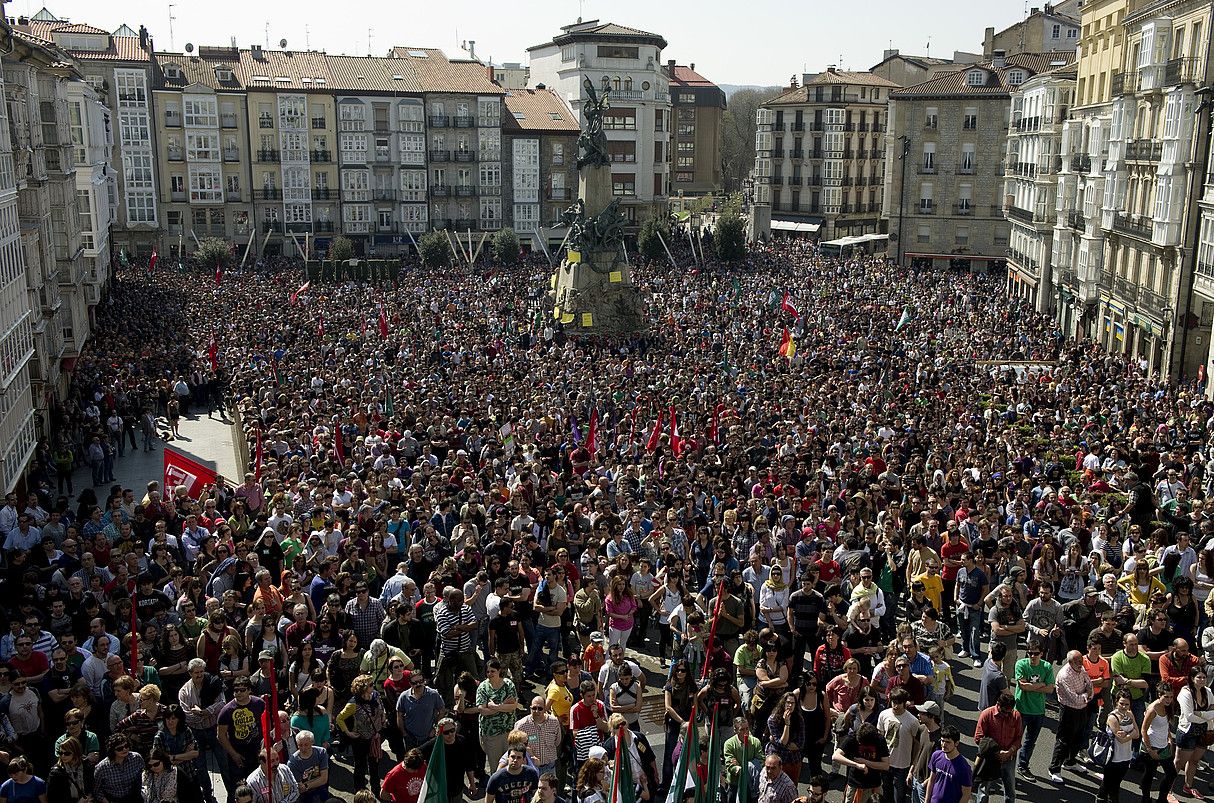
column 740, row 749
column 1131, row 667
column 745, row 659
column 1034, row 680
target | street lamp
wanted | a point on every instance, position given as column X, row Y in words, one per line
column 905, row 140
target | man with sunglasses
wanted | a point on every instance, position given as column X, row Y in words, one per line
column 418, row 711
column 544, row 735
column 1034, row 678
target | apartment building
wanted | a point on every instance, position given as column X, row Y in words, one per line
column 202, row 134
column 1051, row 28
column 92, row 137
column 539, row 136
column 1077, row 256
column 1034, row 159
column 463, row 108
column 820, row 154
column 628, row 63
column 17, row 316
column 906, row 70
column 945, row 163
column 118, row 66
column 698, row 109
column 290, row 105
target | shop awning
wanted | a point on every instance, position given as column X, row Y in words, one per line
column 792, row 225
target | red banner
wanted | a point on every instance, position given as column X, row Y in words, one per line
column 181, row 470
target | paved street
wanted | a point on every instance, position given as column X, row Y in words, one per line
column 207, row 440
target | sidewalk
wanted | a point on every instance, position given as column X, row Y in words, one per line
column 205, row 440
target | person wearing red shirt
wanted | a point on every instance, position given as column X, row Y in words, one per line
column 403, row 783
column 1177, row 664
column 587, row 721
column 954, row 548
column 28, row 662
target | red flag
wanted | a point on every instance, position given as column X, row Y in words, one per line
column 213, row 351
column 152, row 261
column 218, row 273
column 787, row 306
column 785, row 344
column 656, row 435
column 260, row 457
column 320, row 326
column 182, row 470
column 676, row 443
column 303, row 289
column 592, row 438
column 383, row 323
column 632, row 434
column 1201, row 373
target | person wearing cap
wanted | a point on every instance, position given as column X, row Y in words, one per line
column 926, row 742
column 1082, row 616
column 1007, row 623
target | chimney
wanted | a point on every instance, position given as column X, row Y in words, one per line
column 997, row 59
column 1033, row 10
column 143, row 37
column 693, row 66
column 670, row 66
column 832, row 69
column 794, row 83
column 255, row 50
column 889, row 53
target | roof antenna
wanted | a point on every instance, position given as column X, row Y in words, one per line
column 369, row 30
column 307, row 38
column 267, row 34
column 171, row 18
column 929, row 46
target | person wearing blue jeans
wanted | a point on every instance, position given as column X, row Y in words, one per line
column 551, row 599
column 972, row 586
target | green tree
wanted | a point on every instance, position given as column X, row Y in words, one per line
column 649, row 241
column 341, row 249
column 505, row 246
column 213, row 252
column 435, row 250
column 738, row 134
column 730, row 237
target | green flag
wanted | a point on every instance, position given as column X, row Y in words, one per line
column 434, row 785
column 684, row 773
column 904, row 320
column 623, row 787
column 712, row 784
column 389, row 409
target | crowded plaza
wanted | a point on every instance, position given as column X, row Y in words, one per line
column 827, row 530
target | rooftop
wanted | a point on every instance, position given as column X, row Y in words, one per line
column 688, row 77
column 537, row 110
column 955, row 83
column 593, row 30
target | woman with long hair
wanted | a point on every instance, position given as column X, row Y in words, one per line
column 467, row 715
column 71, row 778
column 667, row 597
column 310, row 715
column 1182, row 610
column 1123, row 730
column 362, row 723
column 786, row 727
column 174, row 659
column 771, row 682
column 773, row 599
column 816, row 719
column 1196, row 716
column 1046, row 568
column 345, row 665
column 234, row 663
column 1158, row 744
column 591, row 782
column 621, row 607
column 679, row 697
column 1072, row 574
column 299, row 673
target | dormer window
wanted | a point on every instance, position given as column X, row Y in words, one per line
column 223, row 74
column 1016, row 77
column 975, row 78
column 172, row 71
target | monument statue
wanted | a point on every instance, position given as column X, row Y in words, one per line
column 592, row 289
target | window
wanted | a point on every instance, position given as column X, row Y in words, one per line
column 84, row 206
column 929, row 156
column 132, row 88
column 200, row 112
column 412, row 149
column 1056, row 31
column 1016, row 77
column 133, row 127
column 385, row 219
column 975, row 78
column 925, row 198
column 353, row 147
column 176, row 184
column 172, row 71
column 351, row 117
column 962, row 235
column 623, row 184
column 491, row 175
column 355, row 185
column 659, row 120
column 686, row 162
column 967, row 157
column 491, row 212
column 488, row 112
column 620, row 120
column 202, row 147
column 970, row 121
column 206, row 186
column 413, row 185
column 140, row 207
column 930, row 117
column 618, row 52
column 622, row 151
column 925, row 234
column 567, row 53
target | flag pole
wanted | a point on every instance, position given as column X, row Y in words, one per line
column 712, row 632
column 619, row 756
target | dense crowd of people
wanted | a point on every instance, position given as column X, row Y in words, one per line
column 460, row 524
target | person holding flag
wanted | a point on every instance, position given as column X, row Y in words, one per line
column 449, row 771
column 742, row 754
